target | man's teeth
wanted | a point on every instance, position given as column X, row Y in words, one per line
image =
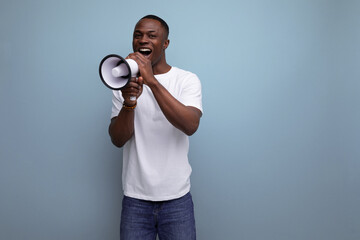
column 144, row 50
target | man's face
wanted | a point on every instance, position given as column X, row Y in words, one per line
column 150, row 40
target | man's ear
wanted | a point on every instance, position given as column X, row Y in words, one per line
column 166, row 44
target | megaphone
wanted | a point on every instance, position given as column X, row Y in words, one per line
column 115, row 71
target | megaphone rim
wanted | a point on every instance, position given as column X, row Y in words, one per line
column 101, row 76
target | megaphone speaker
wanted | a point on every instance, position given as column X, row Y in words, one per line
column 116, row 72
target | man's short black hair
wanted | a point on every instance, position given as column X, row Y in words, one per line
column 163, row 23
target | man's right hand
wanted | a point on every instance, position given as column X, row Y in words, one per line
column 132, row 89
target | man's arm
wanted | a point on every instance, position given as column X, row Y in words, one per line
column 121, row 128
column 185, row 118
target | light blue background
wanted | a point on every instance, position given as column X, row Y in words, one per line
column 277, row 154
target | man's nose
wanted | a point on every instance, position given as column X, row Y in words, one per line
column 144, row 39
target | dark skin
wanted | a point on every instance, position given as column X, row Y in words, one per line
column 150, row 35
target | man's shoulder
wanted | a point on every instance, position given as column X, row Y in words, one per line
column 183, row 73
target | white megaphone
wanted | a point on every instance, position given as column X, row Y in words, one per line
column 116, row 72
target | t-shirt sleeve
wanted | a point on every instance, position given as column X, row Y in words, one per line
column 191, row 93
column 117, row 101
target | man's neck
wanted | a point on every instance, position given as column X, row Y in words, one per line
column 163, row 68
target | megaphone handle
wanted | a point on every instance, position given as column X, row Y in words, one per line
column 134, row 74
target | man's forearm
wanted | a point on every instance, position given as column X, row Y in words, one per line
column 121, row 127
column 183, row 117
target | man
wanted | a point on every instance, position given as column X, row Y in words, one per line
column 154, row 130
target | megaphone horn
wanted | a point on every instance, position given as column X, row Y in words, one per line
column 115, row 71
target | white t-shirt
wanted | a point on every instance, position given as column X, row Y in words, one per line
column 155, row 158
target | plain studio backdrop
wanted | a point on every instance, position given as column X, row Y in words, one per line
column 277, row 154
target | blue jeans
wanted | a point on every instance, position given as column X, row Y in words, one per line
column 170, row 220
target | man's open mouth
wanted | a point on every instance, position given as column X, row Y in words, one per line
column 145, row 51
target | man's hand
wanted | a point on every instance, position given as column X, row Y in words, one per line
column 145, row 68
column 132, row 89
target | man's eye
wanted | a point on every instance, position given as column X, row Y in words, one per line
column 152, row 36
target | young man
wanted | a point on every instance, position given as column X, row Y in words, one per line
column 154, row 132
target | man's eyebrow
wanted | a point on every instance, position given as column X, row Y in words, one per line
column 139, row 31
